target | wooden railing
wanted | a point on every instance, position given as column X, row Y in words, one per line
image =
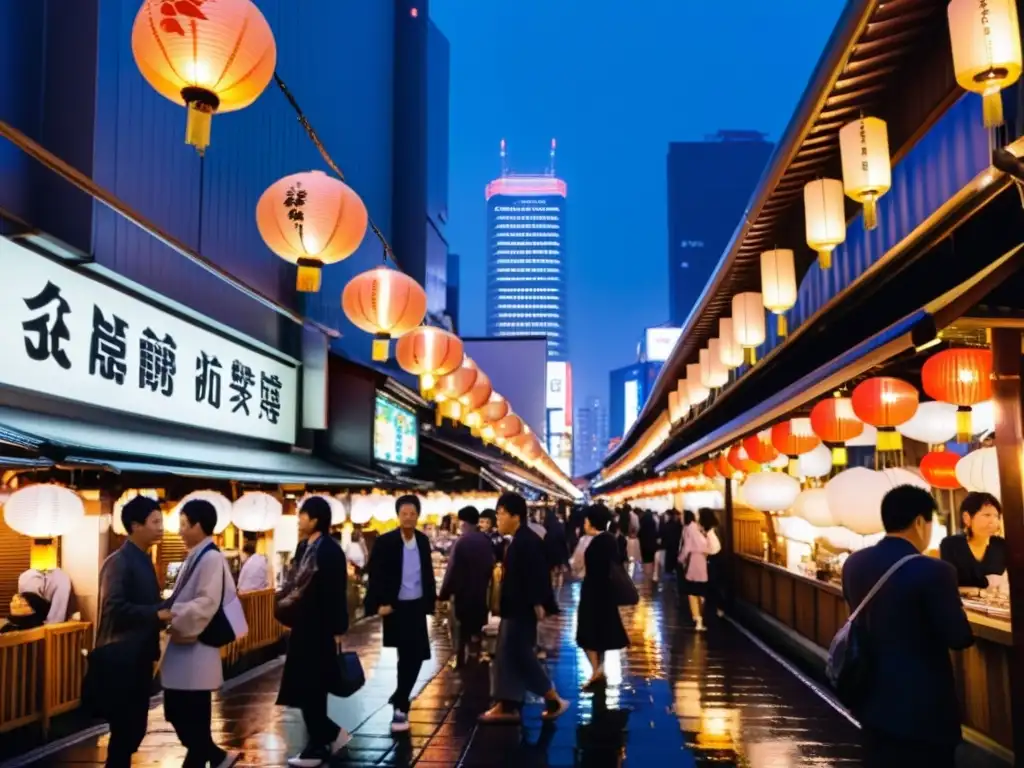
column 41, row 673
column 264, row 629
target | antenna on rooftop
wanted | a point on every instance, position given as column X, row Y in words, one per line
column 551, row 170
column 504, row 159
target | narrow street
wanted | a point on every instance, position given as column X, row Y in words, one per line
column 675, row 698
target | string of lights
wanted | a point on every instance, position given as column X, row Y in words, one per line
column 315, row 138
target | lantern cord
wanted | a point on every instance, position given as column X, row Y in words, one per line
column 202, row 190
column 307, row 126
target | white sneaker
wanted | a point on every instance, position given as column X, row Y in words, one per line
column 399, row 722
column 310, row 758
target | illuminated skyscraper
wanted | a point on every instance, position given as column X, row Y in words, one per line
column 527, row 275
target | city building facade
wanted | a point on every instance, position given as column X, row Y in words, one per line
column 591, row 436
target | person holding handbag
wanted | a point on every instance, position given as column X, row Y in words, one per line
column 599, row 625
column 191, row 668
column 314, row 605
column 693, row 561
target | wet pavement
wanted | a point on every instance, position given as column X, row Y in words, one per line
column 674, row 695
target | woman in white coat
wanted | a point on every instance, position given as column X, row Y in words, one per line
column 191, row 671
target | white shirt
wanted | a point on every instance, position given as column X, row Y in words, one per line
column 356, row 554
column 254, row 574
column 54, row 586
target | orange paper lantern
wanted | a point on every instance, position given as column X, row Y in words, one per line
column 208, row 55
column 759, row 447
column 834, row 421
column 710, row 470
column 495, row 409
column 939, row 469
column 508, row 427
column 429, row 353
column 311, row 219
column 724, row 467
column 962, row 377
column 453, row 387
column 794, row 437
column 386, row 303
column 527, row 445
column 885, row 402
column 740, row 459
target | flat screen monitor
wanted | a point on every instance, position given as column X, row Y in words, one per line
column 395, row 433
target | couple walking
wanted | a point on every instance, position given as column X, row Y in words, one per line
column 131, row 618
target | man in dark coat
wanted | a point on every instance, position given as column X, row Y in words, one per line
column 319, row 620
column 401, row 589
column 130, row 620
column 526, row 598
column 467, row 580
column 671, row 539
column 909, row 710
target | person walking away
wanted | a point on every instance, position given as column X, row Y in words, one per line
column 489, row 527
column 909, row 709
column 526, row 598
column 255, row 573
column 647, row 535
column 315, row 594
column 467, row 580
column 131, row 616
column 979, row 554
column 599, row 625
column 555, row 545
column 402, row 591
column 671, row 540
column 693, row 559
column 708, row 522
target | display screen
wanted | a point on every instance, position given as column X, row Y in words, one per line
column 632, row 403
column 395, row 433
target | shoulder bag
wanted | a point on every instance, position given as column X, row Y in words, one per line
column 849, row 664
column 228, row 623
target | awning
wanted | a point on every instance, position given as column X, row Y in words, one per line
column 77, row 443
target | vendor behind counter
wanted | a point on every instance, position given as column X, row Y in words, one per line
column 979, row 554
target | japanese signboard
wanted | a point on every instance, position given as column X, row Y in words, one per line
column 64, row 334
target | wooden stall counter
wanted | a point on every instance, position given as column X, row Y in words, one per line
column 810, row 612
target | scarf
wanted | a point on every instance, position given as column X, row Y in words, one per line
column 300, row 577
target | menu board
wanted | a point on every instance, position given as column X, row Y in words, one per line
column 395, row 433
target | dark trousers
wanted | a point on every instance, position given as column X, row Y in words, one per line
column 409, row 664
column 322, row 730
column 516, row 667
column 885, row 751
column 191, row 713
column 129, row 721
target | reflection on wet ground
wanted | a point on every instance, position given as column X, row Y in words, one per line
column 674, row 697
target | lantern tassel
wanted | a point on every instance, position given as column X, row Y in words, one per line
column 870, row 213
column 825, row 259
column 840, row 456
column 381, row 347
column 964, row 426
column 794, row 466
column 750, row 355
column 438, row 416
column 992, row 108
column 43, row 555
column 308, row 278
column 889, row 440
column 198, row 125
column 781, row 325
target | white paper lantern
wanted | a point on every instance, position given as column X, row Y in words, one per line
column 979, row 471
column 855, row 499
column 867, row 173
column 866, row 439
column 824, row 217
column 220, row 502
column 384, row 509
column 796, row 529
column 712, row 372
column 286, row 533
column 337, row 506
column 256, row 512
column 729, row 350
column 934, row 423
column 904, row 476
column 779, row 462
column 770, row 491
column 719, row 373
column 816, row 462
column 696, row 392
column 983, row 418
column 778, row 284
column 360, row 508
column 985, row 35
column 748, row 322
column 131, row 493
column 44, row 511
column 812, row 506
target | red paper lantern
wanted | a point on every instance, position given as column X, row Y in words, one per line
column 962, row 377
column 724, row 467
column 494, row 410
column 453, row 387
column 386, row 303
column 834, row 421
column 885, row 402
column 429, row 352
column 794, row 437
column 740, row 459
column 710, row 470
column 939, row 469
column 759, row 447
column 508, row 427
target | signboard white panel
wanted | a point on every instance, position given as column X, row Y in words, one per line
column 659, row 343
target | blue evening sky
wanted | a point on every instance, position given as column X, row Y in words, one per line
column 614, row 81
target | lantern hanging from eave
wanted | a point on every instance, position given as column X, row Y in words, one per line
column 256, row 512
column 794, row 437
column 528, row 445
column 824, row 217
column 962, row 377
column 508, row 427
column 812, row 505
column 867, row 174
column 979, row 471
column 748, row 323
column 729, row 351
column 934, row 424
column 429, row 353
column 696, row 392
column 709, row 469
column 675, row 413
column 759, row 447
column 724, row 466
column 885, row 403
column 778, row 284
column 495, row 409
column 44, row 512
column 834, row 421
column 311, row 219
column 939, row 469
column 209, row 56
column 712, row 372
column 221, row 504
column 386, row 303
column 770, row 491
column 816, row 463
column 985, row 36
column 474, row 400
column 740, row 459
column 452, row 387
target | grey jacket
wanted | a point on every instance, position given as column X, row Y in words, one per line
column 129, row 601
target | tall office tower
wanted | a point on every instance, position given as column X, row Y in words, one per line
column 710, row 184
column 527, row 274
column 591, row 437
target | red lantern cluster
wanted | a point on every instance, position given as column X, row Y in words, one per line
column 962, row 377
column 759, row 447
column 885, row 402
